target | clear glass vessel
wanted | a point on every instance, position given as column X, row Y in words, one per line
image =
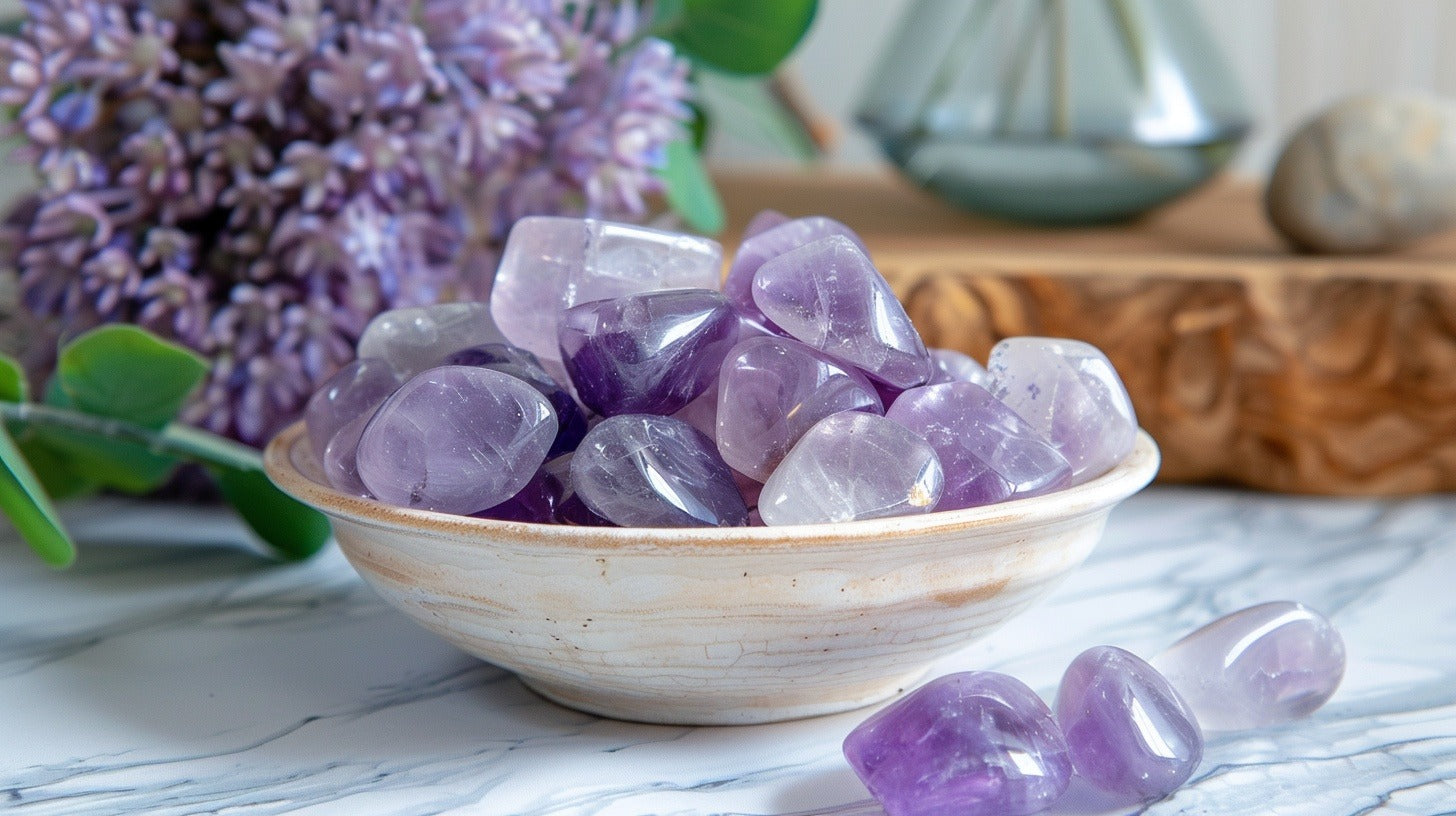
column 1055, row 111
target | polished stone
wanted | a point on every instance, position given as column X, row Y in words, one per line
column 763, row 221
column 414, row 339
column 953, row 366
column 524, row 366
column 852, row 466
column 760, row 247
column 340, row 459
column 355, row 390
column 537, row 502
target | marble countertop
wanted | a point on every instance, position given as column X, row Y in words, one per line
column 171, row 671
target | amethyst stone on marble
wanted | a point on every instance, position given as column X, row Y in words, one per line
column 828, row 295
column 852, row 466
column 456, row 439
column 637, row 470
column 988, row 452
column 356, row 390
column 1128, row 731
column 968, row 744
column 953, row 366
column 772, row 390
column 648, row 354
column 523, row 365
column 770, row 242
column 414, row 339
column 552, row 263
column 1260, row 666
column 1070, row 393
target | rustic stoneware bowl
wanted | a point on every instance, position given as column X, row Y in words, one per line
column 715, row 626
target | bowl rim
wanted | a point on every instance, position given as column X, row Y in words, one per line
column 1129, row 476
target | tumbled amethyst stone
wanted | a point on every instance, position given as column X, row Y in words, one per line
column 828, row 295
column 415, row 338
column 340, row 459
column 988, row 452
column 953, row 366
column 536, row 502
column 1128, row 731
column 968, row 744
column 1070, row 393
column 523, row 365
column 764, row 221
column 1260, row 666
column 456, row 439
column 774, row 389
column 649, row 354
column 355, row 390
column 758, row 248
column 637, row 470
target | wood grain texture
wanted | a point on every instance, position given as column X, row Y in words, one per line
column 1248, row 363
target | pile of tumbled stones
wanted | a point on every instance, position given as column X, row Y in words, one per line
column 610, row 380
column 983, row 743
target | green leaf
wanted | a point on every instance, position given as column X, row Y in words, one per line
column 55, row 469
column 128, row 373
column 742, row 36
column 292, row 529
column 689, row 190
column 97, row 460
column 746, row 107
column 29, row 508
column 13, row 385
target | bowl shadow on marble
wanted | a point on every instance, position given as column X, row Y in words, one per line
column 715, row 626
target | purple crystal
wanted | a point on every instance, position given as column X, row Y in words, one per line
column 1257, row 667
column 973, row 743
column 953, row 366
column 774, row 389
column 550, row 264
column 572, row 510
column 456, row 439
column 536, row 502
column 828, row 295
column 414, row 339
column 989, row 454
column 523, row 365
column 757, row 248
column 1128, row 731
column 1070, row 393
column 340, row 459
column 651, row 353
column 764, row 221
column 651, row 471
column 702, row 412
column 852, row 466
column 357, row 389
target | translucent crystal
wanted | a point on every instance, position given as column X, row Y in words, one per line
column 356, row 389
column 649, row 353
column 953, row 366
column 523, row 365
column 414, row 339
column 340, row 457
column 536, row 502
column 552, row 263
column 456, row 439
column 1128, row 731
column 770, row 243
column 764, row 221
column 774, row 389
column 1070, row 393
column 637, row 470
column 973, row 743
column 852, row 466
column 1260, row 666
column 828, row 295
column 988, row 452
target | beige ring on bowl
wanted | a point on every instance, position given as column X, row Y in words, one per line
column 715, row 626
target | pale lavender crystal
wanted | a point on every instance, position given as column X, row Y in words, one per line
column 828, row 295
column 340, row 457
column 551, row 264
column 1128, row 731
column 637, row 470
column 651, row 353
column 760, row 247
column 852, row 466
column 764, row 221
column 414, row 339
column 1070, row 393
column 771, row 391
column 456, row 439
column 702, row 412
column 1260, row 666
column 967, row 744
column 988, row 452
column 953, row 366
column 523, row 365
column 355, row 390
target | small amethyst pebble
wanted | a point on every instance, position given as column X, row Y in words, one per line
column 536, row 502
column 1128, row 731
column 828, row 295
column 456, row 439
column 637, row 470
column 415, row 338
column 988, row 452
column 1261, row 666
column 524, row 366
column 770, row 241
column 970, row 744
column 646, row 354
column 340, row 459
column 356, row 390
column 953, row 366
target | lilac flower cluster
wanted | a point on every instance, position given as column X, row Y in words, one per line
column 257, row 178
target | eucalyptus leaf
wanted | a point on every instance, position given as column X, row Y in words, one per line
column 741, row 36
column 128, row 373
column 95, row 458
column 292, row 529
column 55, row 468
column 13, row 385
column 747, row 108
column 690, row 191
column 25, row 502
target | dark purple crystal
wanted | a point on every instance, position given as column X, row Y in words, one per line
column 536, row 502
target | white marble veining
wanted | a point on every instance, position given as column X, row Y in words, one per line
column 164, row 679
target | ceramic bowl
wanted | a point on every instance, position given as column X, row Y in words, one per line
column 715, row 626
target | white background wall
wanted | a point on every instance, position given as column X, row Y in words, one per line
column 1293, row 56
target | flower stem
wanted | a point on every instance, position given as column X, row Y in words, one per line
column 176, row 440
